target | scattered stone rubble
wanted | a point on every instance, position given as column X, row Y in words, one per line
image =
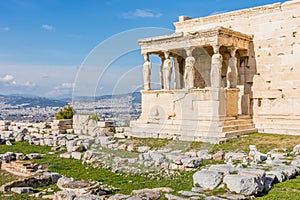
column 242, row 175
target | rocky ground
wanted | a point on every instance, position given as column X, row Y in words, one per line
column 213, row 172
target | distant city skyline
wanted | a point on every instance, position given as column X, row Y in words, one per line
column 43, row 43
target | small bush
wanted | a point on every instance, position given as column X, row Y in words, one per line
column 65, row 113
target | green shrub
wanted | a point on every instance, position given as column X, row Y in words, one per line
column 65, row 113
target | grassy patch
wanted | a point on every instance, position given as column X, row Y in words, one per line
column 25, row 148
column 6, row 177
column 17, row 197
column 287, row 190
column 264, row 143
column 74, row 168
column 126, row 183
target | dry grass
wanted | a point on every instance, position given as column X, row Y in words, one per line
column 264, row 143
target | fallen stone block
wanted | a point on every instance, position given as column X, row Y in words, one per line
column 191, row 162
column 88, row 197
column 223, row 168
column 119, row 197
column 296, row 149
column 33, row 156
column 65, row 155
column 146, row 194
column 76, row 155
column 218, row 156
column 243, row 184
column 207, row 179
column 21, row 190
column 64, row 195
column 235, row 156
column 143, row 149
column 203, row 154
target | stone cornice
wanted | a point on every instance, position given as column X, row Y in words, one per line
column 214, row 36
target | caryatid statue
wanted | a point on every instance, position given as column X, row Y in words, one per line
column 216, row 68
column 232, row 69
column 189, row 72
column 147, row 72
column 161, row 76
column 167, row 71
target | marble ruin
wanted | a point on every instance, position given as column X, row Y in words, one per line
column 232, row 73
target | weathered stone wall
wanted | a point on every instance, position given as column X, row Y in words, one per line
column 62, row 126
column 83, row 124
column 275, row 87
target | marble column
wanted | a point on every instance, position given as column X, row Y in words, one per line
column 216, row 67
column 232, row 69
column 161, row 75
column 177, row 83
column 189, row 72
column 147, row 72
column 167, row 71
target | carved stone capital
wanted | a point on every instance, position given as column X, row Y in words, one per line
column 146, row 57
column 166, row 54
column 232, row 51
column 216, row 48
column 189, row 51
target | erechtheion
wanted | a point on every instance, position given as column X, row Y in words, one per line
column 234, row 73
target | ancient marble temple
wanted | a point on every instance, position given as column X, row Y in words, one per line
column 221, row 76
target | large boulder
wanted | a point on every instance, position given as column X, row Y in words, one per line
column 207, row 179
column 244, row 184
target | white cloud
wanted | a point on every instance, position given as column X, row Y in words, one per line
column 144, row 13
column 28, row 84
column 65, row 86
column 4, row 28
column 47, row 27
column 7, row 78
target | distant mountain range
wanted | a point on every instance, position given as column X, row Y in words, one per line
column 33, row 101
column 135, row 95
column 15, row 100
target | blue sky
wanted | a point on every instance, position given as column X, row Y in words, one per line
column 43, row 43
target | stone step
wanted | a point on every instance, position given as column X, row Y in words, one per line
column 171, row 129
column 238, row 121
column 238, row 127
column 244, row 117
column 230, row 134
column 284, row 131
column 290, row 126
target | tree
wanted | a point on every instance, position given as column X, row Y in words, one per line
column 65, row 113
